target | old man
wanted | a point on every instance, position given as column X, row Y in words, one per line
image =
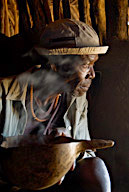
column 51, row 97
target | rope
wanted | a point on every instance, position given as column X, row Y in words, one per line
column 53, row 106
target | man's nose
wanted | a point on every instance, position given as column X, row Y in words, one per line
column 92, row 73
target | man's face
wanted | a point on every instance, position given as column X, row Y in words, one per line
column 84, row 74
column 77, row 71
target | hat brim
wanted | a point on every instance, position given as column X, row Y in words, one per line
column 76, row 51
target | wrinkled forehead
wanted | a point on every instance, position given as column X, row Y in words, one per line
column 73, row 58
column 91, row 58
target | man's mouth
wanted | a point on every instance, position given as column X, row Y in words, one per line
column 85, row 88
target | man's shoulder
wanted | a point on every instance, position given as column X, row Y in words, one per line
column 13, row 89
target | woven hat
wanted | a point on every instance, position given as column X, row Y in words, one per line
column 70, row 37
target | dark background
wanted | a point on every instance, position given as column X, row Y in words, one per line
column 109, row 111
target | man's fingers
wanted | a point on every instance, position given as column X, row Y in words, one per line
column 62, row 134
column 72, row 169
column 61, row 180
column 73, row 166
column 59, row 134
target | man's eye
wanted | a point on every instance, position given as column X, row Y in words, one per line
column 85, row 66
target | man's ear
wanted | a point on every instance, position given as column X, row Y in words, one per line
column 53, row 67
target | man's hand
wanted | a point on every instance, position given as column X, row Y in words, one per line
column 61, row 131
column 71, row 169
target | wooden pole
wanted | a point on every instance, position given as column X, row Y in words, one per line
column 47, row 11
column 7, row 26
column 2, row 16
column 24, row 20
column 66, row 9
column 87, row 12
column 56, row 5
column 81, row 10
column 117, row 11
column 98, row 17
column 37, row 12
column 16, row 17
column 122, row 19
column 84, row 11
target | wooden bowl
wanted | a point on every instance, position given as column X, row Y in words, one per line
column 37, row 164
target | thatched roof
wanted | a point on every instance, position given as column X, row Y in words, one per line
column 108, row 18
